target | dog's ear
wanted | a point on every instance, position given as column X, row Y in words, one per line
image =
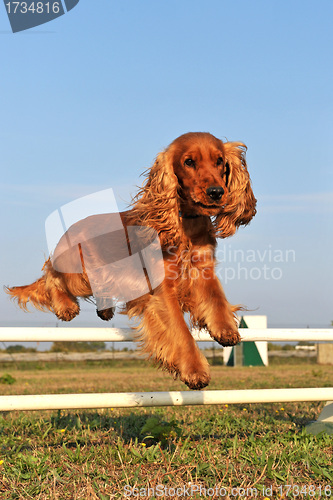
column 156, row 204
column 241, row 203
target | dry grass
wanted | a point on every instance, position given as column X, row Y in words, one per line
column 131, row 376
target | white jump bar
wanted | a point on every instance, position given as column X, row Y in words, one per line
column 53, row 334
column 140, row 399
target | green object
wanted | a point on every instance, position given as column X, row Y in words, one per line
column 6, row 378
column 245, row 353
column 251, row 356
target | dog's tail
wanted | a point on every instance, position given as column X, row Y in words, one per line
column 35, row 294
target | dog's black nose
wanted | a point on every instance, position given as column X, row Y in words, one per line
column 215, row 192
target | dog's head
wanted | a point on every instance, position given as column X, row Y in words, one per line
column 213, row 180
column 198, row 174
column 200, row 164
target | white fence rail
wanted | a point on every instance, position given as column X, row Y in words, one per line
column 181, row 398
column 121, row 400
column 42, row 334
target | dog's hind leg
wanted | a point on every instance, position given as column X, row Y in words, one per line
column 64, row 305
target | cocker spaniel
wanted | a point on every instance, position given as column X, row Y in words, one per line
column 197, row 190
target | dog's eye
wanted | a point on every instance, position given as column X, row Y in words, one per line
column 189, row 162
column 219, row 161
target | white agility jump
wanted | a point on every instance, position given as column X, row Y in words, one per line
column 123, row 400
column 51, row 334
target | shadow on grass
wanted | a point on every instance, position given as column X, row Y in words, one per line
column 94, row 428
column 159, row 427
column 146, row 427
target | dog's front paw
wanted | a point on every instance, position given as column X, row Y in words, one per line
column 228, row 337
column 196, row 381
column 196, row 377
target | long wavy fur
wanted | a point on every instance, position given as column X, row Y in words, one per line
column 197, row 190
column 241, row 206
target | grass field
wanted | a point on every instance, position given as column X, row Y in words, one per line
column 240, row 451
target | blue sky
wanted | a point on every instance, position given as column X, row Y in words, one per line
column 89, row 99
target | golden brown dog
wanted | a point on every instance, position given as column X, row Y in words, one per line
column 197, row 190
